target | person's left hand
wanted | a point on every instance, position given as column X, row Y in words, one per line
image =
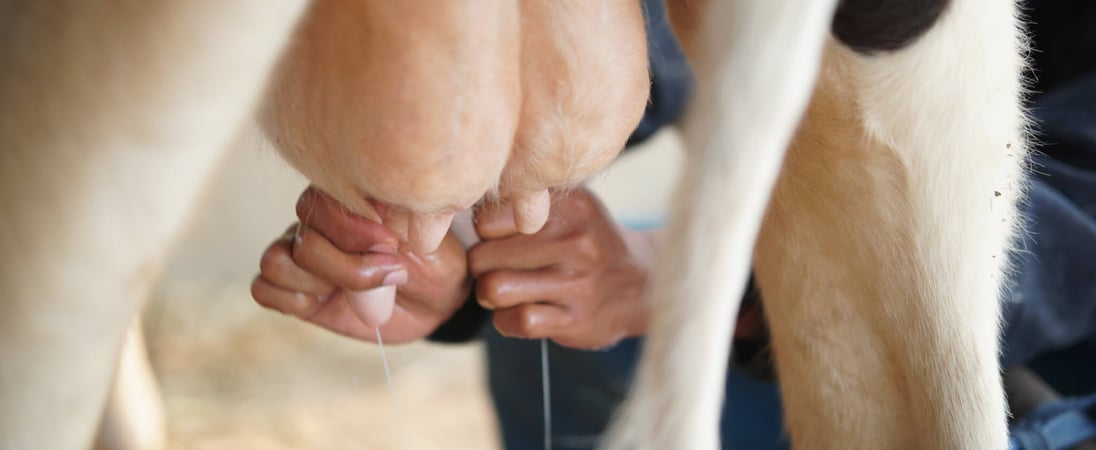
column 579, row 281
column 333, row 268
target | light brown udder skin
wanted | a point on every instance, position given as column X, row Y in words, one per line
column 428, row 108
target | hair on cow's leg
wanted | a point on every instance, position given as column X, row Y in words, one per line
column 882, row 254
column 110, row 119
column 757, row 61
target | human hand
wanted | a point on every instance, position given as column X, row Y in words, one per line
column 579, row 281
column 337, row 271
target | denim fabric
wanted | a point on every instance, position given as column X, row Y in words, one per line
column 1053, row 302
column 586, row 387
column 671, row 77
column 1059, row 425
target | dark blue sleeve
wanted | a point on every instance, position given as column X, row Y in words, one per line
column 1052, row 304
column 671, row 77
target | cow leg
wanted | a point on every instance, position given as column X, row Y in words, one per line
column 134, row 415
column 882, row 255
column 736, row 134
column 111, row 116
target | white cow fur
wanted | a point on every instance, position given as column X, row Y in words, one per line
column 882, row 252
column 880, row 255
column 735, row 139
column 111, row 116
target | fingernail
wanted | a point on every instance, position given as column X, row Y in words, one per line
column 383, row 248
column 396, row 278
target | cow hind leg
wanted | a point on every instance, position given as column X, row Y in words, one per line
column 110, row 119
column 735, row 136
column 883, row 251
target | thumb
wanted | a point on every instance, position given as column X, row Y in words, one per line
column 349, row 232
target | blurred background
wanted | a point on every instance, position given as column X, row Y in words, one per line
column 236, row 376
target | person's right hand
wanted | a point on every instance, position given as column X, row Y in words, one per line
column 316, row 269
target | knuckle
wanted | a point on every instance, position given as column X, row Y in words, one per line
column 586, row 246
